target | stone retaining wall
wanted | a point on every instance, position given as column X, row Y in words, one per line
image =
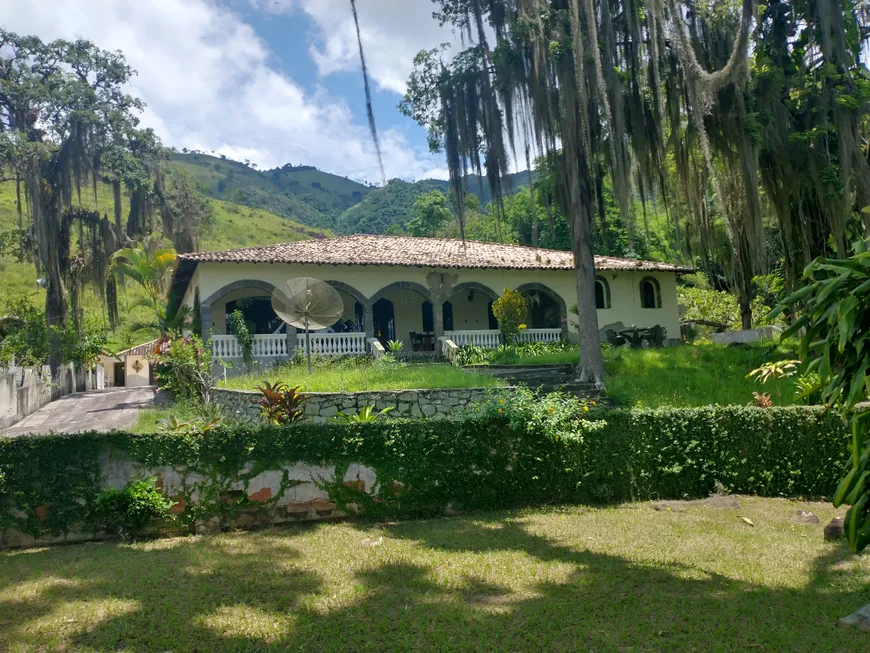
column 436, row 403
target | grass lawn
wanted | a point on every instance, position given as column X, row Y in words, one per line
column 688, row 375
column 691, row 375
column 358, row 378
column 615, row 579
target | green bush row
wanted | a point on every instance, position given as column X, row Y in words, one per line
column 49, row 484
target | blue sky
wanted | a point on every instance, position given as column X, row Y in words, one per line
column 290, row 36
column 273, row 81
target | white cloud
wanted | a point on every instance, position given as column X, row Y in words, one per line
column 393, row 32
column 210, row 83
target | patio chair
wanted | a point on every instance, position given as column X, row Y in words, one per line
column 416, row 341
column 656, row 336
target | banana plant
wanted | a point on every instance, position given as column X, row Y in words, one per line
column 836, row 341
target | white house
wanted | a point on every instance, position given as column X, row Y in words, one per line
column 415, row 290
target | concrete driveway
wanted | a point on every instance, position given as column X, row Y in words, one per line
column 104, row 410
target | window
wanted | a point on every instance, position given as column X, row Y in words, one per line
column 650, row 293
column 602, row 293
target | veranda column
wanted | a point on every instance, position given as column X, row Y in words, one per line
column 205, row 321
column 441, row 286
column 368, row 320
column 438, row 317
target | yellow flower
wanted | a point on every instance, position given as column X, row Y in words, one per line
column 550, row 409
column 586, row 408
column 522, row 326
column 501, row 400
column 499, row 410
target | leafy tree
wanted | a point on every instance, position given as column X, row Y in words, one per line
column 430, row 214
column 674, row 100
column 186, row 212
column 150, row 268
column 66, row 120
column 26, row 338
column 24, row 335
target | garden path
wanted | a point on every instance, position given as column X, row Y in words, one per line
column 104, row 410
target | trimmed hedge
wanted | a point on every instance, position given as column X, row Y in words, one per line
column 471, row 463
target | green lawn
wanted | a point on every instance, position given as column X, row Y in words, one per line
column 691, row 375
column 688, row 375
column 359, row 378
column 616, row 579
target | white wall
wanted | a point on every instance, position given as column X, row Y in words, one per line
column 408, row 312
column 136, row 379
column 368, row 280
column 470, row 315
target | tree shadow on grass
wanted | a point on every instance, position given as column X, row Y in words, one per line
column 155, row 597
column 266, row 593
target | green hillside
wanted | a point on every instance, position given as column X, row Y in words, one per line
column 300, row 193
column 393, row 204
column 234, row 226
column 386, row 206
column 478, row 186
column 310, row 196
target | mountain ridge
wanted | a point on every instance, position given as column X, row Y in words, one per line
column 321, row 199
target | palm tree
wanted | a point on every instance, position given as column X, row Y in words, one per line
column 152, row 269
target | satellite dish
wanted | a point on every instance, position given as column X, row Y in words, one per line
column 307, row 303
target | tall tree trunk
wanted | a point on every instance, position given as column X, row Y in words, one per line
column 47, row 224
column 119, row 228
column 591, row 366
column 18, row 200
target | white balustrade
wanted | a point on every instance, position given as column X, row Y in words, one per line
column 225, row 347
column 334, row 344
column 488, row 338
column 264, row 346
column 270, row 346
column 540, row 335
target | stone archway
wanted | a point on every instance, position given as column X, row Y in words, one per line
column 397, row 314
column 362, row 299
column 471, row 306
column 206, row 304
column 402, row 285
column 479, row 287
column 552, row 294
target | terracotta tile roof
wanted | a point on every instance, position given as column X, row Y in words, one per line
column 408, row 251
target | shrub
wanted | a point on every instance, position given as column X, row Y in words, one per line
column 510, row 310
column 534, row 451
column 281, row 404
column 184, row 369
column 473, row 355
column 128, row 513
column 364, row 414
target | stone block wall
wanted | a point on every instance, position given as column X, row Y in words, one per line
column 437, row 403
